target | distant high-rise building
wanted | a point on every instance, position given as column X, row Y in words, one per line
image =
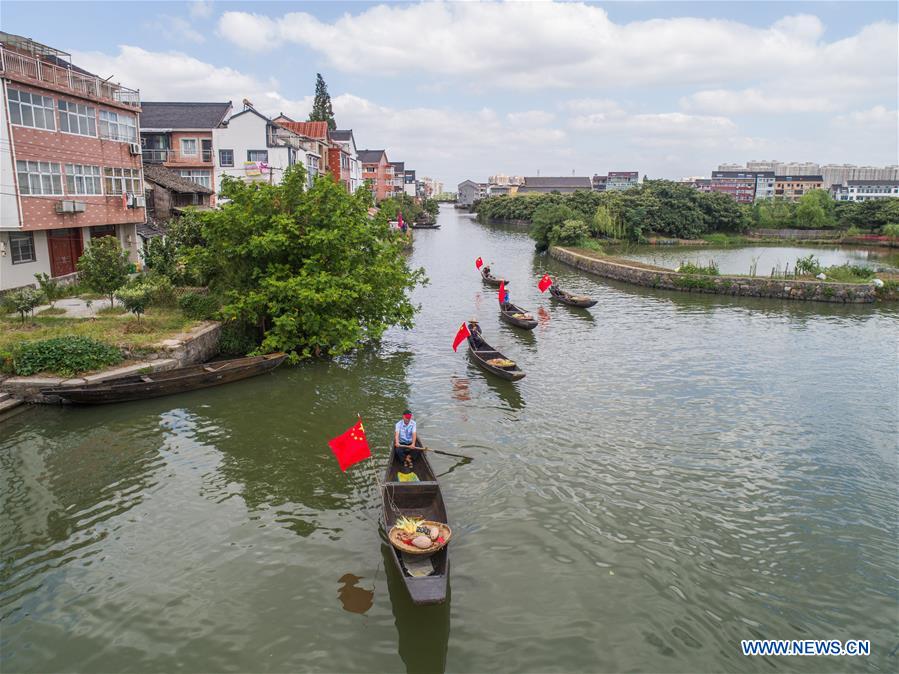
column 831, row 174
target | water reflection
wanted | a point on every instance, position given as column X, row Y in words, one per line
column 506, row 391
column 423, row 631
column 526, row 337
column 354, row 599
column 461, row 389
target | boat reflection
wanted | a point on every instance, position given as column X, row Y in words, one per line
column 526, row 337
column 507, row 391
column 461, row 389
column 354, row 599
column 423, row 631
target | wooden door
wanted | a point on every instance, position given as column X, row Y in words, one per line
column 65, row 249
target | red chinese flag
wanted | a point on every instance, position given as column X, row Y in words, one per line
column 461, row 336
column 545, row 283
column 502, row 292
column 479, row 263
column 351, row 447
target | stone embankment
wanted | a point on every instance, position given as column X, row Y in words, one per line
column 741, row 286
column 189, row 348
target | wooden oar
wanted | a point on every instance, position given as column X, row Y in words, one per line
column 440, row 451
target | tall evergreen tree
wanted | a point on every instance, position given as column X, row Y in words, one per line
column 321, row 107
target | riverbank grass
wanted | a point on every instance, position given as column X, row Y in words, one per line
column 155, row 326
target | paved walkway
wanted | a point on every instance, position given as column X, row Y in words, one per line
column 76, row 307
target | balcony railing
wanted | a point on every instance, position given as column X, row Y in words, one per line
column 159, row 156
column 23, row 65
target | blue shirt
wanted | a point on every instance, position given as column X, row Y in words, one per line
column 405, row 430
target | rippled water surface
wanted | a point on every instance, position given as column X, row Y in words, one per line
column 740, row 259
column 675, row 473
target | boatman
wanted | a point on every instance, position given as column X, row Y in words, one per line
column 404, row 438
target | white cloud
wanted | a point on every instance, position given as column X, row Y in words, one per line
column 183, row 29
column 533, row 45
column 174, row 76
column 754, row 101
column 201, row 9
column 878, row 117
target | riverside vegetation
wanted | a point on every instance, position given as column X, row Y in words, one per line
column 666, row 208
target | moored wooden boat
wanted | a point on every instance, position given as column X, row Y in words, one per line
column 416, row 499
column 492, row 280
column 168, row 382
column 425, row 225
column 515, row 315
column 569, row 299
column 483, row 353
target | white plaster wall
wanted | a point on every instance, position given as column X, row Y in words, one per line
column 246, row 132
column 17, row 275
column 10, row 216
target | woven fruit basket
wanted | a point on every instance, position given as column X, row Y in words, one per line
column 397, row 537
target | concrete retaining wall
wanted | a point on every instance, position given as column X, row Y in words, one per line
column 196, row 346
column 742, row 286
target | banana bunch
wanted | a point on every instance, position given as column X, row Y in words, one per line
column 408, row 524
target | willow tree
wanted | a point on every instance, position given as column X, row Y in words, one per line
column 308, row 268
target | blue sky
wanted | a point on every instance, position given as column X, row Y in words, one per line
column 463, row 90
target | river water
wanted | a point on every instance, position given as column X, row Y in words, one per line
column 676, row 473
column 764, row 259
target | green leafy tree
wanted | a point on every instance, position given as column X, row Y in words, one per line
column 809, row 212
column 23, row 301
column 136, row 298
column 309, row 269
column 571, row 232
column 50, row 287
column 321, row 106
column 545, row 218
column 104, row 266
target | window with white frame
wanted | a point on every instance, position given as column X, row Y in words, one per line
column 189, row 147
column 226, row 157
column 122, row 180
column 77, row 118
column 199, row 176
column 39, row 177
column 82, row 179
column 118, row 126
column 21, row 246
column 257, row 155
column 34, row 110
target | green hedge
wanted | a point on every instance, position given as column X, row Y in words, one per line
column 198, row 306
column 67, row 356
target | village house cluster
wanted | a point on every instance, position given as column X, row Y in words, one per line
column 745, row 184
column 82, row 158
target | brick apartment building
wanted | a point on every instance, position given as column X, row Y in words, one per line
column 70, row 162
column 378, row 172
column 792, row 188
column 179, row 137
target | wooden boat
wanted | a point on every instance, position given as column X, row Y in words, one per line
column 425, row 225
column 492, row 280
column 416, row 499
column 483, row 353
column 569, row 299
column 507, row 313
column 156, row 384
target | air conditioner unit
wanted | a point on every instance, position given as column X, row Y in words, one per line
column 134, row 148
column 139, row 202
column 65, row 206
column 79, row 206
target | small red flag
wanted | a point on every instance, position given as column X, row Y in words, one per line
column 545, row 283
column 463, row 334
column 351, row 447
column 479, row 263
column 502, row 291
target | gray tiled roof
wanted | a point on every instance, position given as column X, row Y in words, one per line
column 342, row 134
column 172, row 181
column 370, row 156
column 182, row 115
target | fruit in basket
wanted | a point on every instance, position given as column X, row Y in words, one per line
column 408, row 524
column 501, row 362
column 435, row 533
column 423, row 542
